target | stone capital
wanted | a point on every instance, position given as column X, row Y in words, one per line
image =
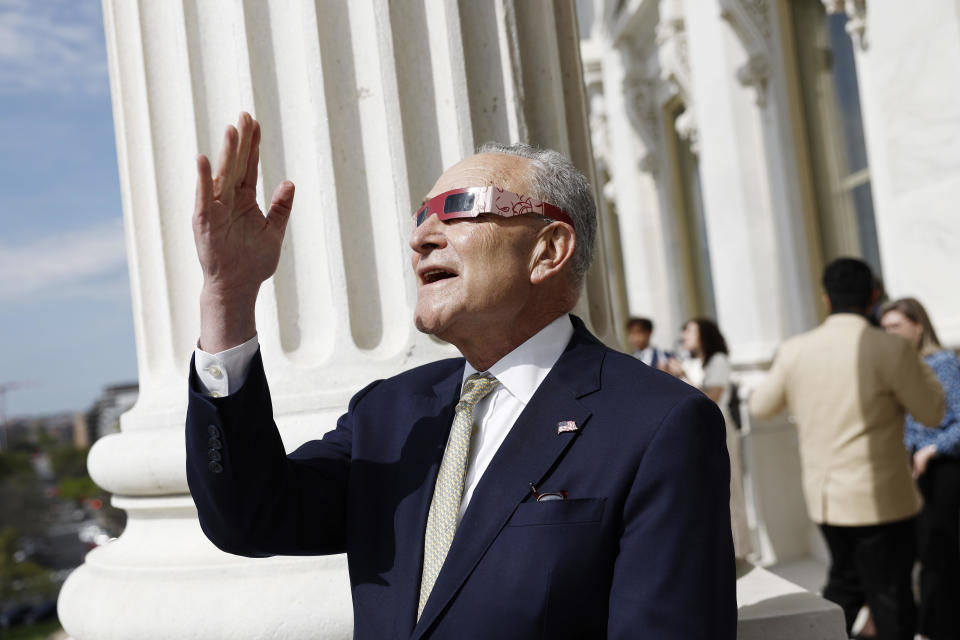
column 856, row 11
column 755, row 72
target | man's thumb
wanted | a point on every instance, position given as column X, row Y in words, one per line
column 281, row 204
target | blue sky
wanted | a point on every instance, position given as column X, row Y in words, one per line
column 66, row 323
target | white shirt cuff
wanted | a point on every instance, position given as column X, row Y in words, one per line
column 225, row 372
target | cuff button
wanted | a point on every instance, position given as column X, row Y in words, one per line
column 215, row 467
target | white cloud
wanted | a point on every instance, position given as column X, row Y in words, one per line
column 54, row 45
column 71, row 258
column 110, row 288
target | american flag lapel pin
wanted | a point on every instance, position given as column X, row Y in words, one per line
column 566, row 425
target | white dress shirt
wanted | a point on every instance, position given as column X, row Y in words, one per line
column 520, row 373
column 225, row 372
column 651, row 356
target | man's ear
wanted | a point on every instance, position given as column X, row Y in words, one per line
column 552, row 251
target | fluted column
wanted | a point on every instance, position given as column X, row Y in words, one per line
column 639, row 168
column 759, row 250
column 362, row 105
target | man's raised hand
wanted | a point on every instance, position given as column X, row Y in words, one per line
column 237, row 245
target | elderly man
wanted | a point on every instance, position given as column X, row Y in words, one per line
column 541, row 486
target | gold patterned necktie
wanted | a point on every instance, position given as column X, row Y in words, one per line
column 448, row 491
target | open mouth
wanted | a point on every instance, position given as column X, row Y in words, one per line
column 436, row 275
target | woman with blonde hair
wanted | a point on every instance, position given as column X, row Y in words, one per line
column 935, row 456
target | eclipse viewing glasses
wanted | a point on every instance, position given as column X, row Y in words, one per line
column 470, row 202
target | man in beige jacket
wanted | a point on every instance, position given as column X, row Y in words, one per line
column 849, row 385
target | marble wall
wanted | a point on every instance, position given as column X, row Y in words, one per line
column 911, row 108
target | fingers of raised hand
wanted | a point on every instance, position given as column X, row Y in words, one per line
column 223, row 179
column 280, row 205
column 204, row 185
column 250, row 176
column 245, row 125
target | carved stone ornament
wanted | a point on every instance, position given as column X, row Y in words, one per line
column 687, row 128
column 750, row 20
column 673, row 54
column 759, row 14
column 598, row 125
column 640, row 94
column 755, row 72
column 856, row 11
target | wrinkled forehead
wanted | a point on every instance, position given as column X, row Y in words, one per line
column 485, row 169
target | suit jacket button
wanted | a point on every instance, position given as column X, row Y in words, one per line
column 212, row 430
column 213, row 454
column 215, row 466
column 214, row 443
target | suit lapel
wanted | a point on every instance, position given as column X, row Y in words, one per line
column 528, row 453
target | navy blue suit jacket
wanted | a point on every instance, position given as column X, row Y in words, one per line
column 640, row 549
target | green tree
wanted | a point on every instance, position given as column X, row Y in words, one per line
column 14, row 463
column 68, row 462
column 24, row 503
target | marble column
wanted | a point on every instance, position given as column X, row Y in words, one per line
column 363, row 105
column 760, row 257
column 759, row 236
column 907, row 64
column 631, row 94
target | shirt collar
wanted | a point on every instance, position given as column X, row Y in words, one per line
column 846, row 318
column 522, row 370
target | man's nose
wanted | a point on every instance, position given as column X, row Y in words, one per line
column 428, row 235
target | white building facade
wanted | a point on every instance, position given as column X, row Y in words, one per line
column 739, row 145
column 746, row 143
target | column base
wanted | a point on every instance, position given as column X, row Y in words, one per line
column 770, row 607
column 163, row 579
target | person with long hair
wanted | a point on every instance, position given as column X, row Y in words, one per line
column 935, row 457
column 707, row 367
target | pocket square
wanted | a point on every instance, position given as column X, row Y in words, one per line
column 546, row 496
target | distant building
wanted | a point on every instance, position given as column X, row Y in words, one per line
column 103, row 418
column 79, row 429
column 26, row 433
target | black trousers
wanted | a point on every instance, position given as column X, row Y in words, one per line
column 938, row 529
column 872, row 565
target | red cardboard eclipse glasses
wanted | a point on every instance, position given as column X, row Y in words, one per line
column 470, row 202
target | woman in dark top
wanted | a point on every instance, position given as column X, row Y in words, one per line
column 935, row 456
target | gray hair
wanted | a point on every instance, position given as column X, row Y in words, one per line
column 554, row 179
